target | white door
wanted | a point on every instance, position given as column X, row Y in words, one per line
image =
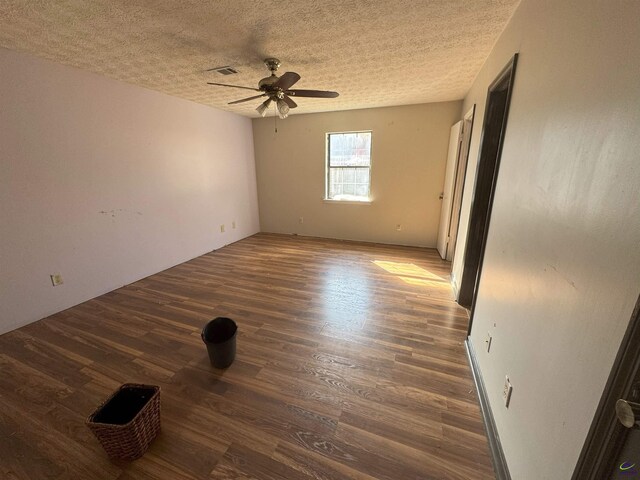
column 458, row 183
column 447, row 189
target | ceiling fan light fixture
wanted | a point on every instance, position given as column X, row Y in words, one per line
column 262, row 108
column 283, row 108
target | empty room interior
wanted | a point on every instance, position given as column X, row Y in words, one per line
column 320, row 240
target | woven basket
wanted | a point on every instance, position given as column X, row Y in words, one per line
column 128, row 421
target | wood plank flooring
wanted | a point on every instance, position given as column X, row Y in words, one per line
column 350, row 365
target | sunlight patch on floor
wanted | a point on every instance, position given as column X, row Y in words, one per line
column 413, row 274
column 421, row 282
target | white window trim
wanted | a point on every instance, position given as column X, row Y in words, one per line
column 369, row 201
column 365, row 201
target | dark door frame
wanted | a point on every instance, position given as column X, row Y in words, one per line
column 604, row 437
column 491, row 143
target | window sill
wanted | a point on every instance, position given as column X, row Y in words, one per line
column 348, row 202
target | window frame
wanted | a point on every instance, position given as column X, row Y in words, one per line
column 327, row 180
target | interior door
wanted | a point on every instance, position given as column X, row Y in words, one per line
column 612, row 447
column 458, row 183
column 627, row 464
column 624, row 457
column 447, row 189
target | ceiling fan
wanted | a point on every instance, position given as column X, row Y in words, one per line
column 278, row 89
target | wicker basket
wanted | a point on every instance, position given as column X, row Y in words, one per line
column 128, row 421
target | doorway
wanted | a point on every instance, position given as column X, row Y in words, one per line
column 458, row 187
column 453, row 157
column 495, row 124
column 451, row 196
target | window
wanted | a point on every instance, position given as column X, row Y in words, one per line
column 348, row 166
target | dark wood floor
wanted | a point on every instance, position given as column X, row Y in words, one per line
column 350, row 365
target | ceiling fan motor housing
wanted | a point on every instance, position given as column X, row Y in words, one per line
column 266, row 82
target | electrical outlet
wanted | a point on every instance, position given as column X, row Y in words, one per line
column 301, row 220
column 56, row 279
column 222, row 228
column 233, row 224
column 398, row 227
column 488, row 342
column 506, row 392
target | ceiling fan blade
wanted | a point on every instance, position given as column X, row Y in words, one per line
column 234, row 86
column 290, row 102
column 286, row 80
column 312, row 93
column 247, row 99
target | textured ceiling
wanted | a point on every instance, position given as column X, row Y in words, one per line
column 374, row 53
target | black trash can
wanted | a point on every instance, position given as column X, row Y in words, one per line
column 219, row 335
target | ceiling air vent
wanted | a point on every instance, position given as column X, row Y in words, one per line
column 227, row 70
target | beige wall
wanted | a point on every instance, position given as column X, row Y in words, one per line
column 409, row 152
column 106, row 183
column 562, row 266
